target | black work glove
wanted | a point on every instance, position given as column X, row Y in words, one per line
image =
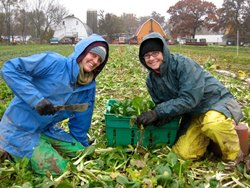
column 146, row 118
column 4, row 155
column 44, row 107
column 160, row 122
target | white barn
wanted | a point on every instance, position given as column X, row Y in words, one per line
column 73, row 28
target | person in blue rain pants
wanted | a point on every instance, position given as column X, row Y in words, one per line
column 181, row 87
column 29, row 127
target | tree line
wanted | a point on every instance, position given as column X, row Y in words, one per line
column 187, row 17
column 190, row 16
column 30, row 17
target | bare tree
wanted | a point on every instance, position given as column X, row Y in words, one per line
column 110, row 25
column 233, row 18
column 9, row 8
column 2, row 23
column 245, row 33
column 144, row 19
column 22, row 21
column 130, row 23
column 161, row 20
column 45, row 14
column 38, row 20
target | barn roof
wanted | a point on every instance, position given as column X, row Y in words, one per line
column 149, row 26
column 72, row 26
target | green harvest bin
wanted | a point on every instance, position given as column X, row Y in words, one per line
column 119, row 132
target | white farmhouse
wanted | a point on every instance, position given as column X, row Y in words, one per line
column 71, row 28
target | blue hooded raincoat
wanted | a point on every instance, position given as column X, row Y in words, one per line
column 52, row 76
column 184, row 88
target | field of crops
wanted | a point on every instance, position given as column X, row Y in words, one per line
column 135, row 166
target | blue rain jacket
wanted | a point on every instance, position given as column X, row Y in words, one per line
column 52, row 76
column 184, row 87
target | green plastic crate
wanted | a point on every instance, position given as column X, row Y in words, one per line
column 119, row 132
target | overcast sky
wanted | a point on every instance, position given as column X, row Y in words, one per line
column 118, row 7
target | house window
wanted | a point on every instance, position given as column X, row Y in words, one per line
column 63, row 22
column 76, row 22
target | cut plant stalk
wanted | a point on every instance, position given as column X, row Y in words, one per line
column 92, row 175
column 88, row 151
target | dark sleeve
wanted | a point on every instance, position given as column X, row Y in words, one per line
column 191, row 82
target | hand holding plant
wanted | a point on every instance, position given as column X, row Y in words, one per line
column 146, row 118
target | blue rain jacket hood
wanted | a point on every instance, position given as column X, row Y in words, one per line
column 54, row 77
column 184, row 87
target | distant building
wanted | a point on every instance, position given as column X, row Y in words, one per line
column 211, row 39
column 92, row 20
column 151, row 25
column 72, row 28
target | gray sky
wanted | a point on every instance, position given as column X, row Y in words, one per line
column 118, row 7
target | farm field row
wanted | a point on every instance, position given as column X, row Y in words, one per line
column 101, row 166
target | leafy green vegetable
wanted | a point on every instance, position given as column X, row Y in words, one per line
column 131, row 107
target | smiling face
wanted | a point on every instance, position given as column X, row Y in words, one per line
column 154, row 60
column 90, row 62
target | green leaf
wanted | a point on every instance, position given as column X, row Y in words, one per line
column 172, row 159
column 220, row 166
column 122, row 180
column 213, row 183
column 163, row 169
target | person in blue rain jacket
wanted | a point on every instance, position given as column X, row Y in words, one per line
column 29, row 127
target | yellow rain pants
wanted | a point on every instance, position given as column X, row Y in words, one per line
column 213, row 126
